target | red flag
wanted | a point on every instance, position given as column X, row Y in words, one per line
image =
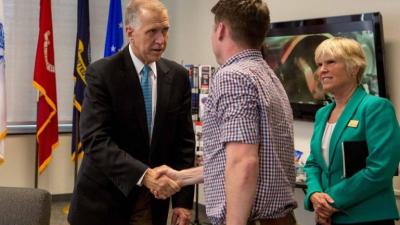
column 44, row 80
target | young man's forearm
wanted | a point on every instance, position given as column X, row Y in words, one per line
column 241, row 174
column 191, row 176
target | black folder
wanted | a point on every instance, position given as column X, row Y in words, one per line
column 355, row 155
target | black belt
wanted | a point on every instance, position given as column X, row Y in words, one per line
column 289, row 219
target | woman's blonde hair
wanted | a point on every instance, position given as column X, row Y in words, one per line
column 346, row 49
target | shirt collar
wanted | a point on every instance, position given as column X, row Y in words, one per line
column 139, row 64
column 241, row 55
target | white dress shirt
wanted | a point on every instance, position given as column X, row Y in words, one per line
column 153, row 79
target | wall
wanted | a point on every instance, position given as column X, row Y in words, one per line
column 191, row 24
column 21, row 32
column 21, row 20
column 18, row 169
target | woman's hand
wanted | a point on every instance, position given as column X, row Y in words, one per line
column 322, row 206
column 322, row 221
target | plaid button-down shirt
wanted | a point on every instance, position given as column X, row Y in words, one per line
column 247, row 104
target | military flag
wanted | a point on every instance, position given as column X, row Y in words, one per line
column 44, row 80
column 82, row 59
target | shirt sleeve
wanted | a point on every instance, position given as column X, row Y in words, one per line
column 140, row 181
column 237, row 106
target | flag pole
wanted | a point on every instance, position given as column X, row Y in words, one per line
column 76, row 158
column 36, row 165
column 77, row 150
column 196, row 206
column 76, row 170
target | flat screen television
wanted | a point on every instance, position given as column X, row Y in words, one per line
column 290, row 53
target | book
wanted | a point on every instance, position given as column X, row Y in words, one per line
column 204, row 78
column 202, row 102
column 194, row 83
column 354, row 155
column 198, row 133
column 190, row 67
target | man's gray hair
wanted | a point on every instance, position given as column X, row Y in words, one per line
column 134, row 7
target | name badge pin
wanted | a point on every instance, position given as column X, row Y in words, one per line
column 353, row 123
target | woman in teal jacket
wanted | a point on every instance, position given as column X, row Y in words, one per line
column 366, row 197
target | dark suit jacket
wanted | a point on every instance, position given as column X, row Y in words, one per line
column 116, row 142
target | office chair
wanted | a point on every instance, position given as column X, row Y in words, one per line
column 24, row 206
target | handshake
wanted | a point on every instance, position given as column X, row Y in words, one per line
column 163, row 181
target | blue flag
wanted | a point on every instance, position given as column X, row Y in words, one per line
column 82, row 59
column 114, row 37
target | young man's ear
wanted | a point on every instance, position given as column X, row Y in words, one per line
column 221, row 30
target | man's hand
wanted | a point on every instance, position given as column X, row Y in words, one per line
column 162, row 185
column 322, row 206
column 165, row 171
column 169, row 172
column 181, row 216
column 182, row 178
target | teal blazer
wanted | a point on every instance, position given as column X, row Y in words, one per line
column 367, row 195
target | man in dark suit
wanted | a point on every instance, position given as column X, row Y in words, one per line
column 135, row 117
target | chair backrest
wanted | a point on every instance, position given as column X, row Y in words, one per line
column 24, row 206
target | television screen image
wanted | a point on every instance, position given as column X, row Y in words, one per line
column 290, row 53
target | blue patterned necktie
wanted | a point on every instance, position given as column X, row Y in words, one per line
column 146, row 89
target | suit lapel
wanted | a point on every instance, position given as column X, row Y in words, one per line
column 345, row 117
column 164, row 82
column 132, row 80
